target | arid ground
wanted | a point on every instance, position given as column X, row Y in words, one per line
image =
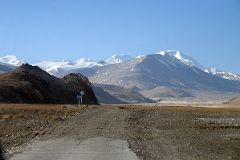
column 166, row 131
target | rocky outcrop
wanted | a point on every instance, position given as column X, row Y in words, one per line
column 30, row 84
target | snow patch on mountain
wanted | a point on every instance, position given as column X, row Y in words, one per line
column 62, row 67
column 56, row 67
column 46, row 65
column 182, row 58
column 140, row 56
column 11, row 60
column 228, row 75
column 86, row 63
column 225, row 75
column 118, row 59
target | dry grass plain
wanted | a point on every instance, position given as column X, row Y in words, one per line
column 20, row 123
column 157, row 131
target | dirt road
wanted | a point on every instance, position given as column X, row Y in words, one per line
column 167, row 133
column 72, row 149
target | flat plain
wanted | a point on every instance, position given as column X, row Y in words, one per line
column 156, row 131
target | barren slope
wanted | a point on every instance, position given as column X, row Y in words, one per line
column 157, row 76
column 235, row 101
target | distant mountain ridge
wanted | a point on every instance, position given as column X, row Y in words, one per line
column 11, row 60
column 122, row 94
column 225, row 75
column 235, row 101
column 118, row 59
column 61, row 68
column 30, row 84
column 6, row 68
column 146, row 78
column 157, row 75
column 182, row 58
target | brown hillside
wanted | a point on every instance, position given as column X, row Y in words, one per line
column 30, row 84
column 235, row 101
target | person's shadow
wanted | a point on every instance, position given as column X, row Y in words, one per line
column 1, row 153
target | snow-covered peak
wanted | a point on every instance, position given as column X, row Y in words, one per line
column 178, row 55
column 118, row 59
column 86, row 63
column 140, row 56
column 45, row 65
column 11, row 60
column 182, row 58
column 225, row 75
column 171, row 53
column 85, row 60
column 56, row 67
column 228, row 75
column 211, row 70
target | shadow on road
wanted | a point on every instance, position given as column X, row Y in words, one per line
column 1, row 153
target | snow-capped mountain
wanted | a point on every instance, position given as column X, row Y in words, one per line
column 9, row 63
column 182, row 58
column 192, row 62
column 228, row 75
column 11, row 60
column 5, row 68
column 118, row 59
column 60, row 67
column 157, row 75
column 225, row 75
column 165, row 74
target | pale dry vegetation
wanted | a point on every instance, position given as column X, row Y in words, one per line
column 20, row 123
column 162, row 131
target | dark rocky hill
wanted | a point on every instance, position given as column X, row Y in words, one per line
column 30, row 84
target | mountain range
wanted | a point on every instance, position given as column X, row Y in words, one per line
column 157, row 75
column 165, row 74
column 60, row 68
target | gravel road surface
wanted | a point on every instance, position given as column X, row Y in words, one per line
column 71, row 149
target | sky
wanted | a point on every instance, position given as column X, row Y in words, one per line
column 37, row 30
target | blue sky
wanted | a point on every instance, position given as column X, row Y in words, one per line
column 36, row 30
